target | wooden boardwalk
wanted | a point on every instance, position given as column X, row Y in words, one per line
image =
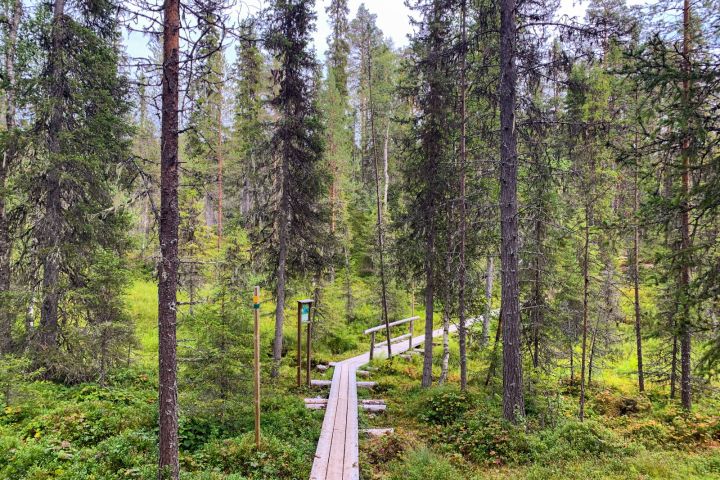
column 336, row 456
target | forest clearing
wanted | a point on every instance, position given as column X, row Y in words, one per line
column 336, row 240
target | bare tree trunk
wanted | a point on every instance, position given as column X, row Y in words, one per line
column 462, row 271
column 685, row 338
column 493, row 359
column 209, row 209
column 429, row 303
column 673, row 363
column 586, row 285
column 446, row 345
column 11, row 28
column 386, row 160
column 513, row 400
column 380, row 226
column 283, row 220
column 636, row 278
column 220, row 160
column 169, row 467
column 489, row 277
column 538, row 307
column 591, row 363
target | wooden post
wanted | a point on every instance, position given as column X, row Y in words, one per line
column 307, row 351
column 300, row 317
column 412, row 331
column 256, row 308
column 372, row 345
column 299, row 342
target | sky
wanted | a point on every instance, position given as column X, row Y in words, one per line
column 392, row 19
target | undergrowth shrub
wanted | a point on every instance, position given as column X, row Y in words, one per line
column 443, row 406
column 422, row 464
column 485, row 438
column 274, row 460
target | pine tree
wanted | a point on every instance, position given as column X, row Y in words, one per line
column 169, row 463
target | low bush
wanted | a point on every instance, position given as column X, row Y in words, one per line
column 422, row 464
column 443, row 406
column 274, row 459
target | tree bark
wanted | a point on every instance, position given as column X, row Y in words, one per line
column 513, row 400
column 685, row 336
column 636, row 278
column 489, row 277
column 538, row 311
column 386, row 171
column 462, row 271
column 169, row 467
column 220, row 160
column 586, row 285
column 283, row 220
column 379, row 206
column 9, row 155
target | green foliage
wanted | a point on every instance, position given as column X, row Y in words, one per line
column 443, row 406
column 422, row 464
column 274, row 459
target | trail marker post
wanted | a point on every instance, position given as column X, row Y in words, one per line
column 303, row 317
column 256, row 363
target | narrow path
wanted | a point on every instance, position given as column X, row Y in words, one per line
column 336, row 457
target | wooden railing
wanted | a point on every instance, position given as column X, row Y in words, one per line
column 372, row 331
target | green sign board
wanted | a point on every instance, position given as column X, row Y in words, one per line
column 305, row 313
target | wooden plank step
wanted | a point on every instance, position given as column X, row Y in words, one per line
column 363, row 373
column 315, row 400
column 320, row 383
column 366, row 384
column 373, row 402
column 316, row 406
column 378, row 432
column 374, row 408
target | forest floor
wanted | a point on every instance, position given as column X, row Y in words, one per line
column 88, row 431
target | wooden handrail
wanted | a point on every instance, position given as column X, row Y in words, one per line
column 391, row 324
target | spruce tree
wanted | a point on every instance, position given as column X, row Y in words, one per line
column 293, row 231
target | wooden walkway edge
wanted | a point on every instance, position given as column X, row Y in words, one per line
column 336, row 456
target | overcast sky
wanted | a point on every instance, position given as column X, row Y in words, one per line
column 392, row 18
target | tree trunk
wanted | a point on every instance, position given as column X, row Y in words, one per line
column 685, row 338
column 462, row 333
column 386, row 161
column 379, row 206
column 493, row 359
column 446, row 345
column 538, row 308
column 636, row 278
column 586, row 285
column 489, row 277
column 9, row 155
column 220, row 160
column 513, row 401
column 169, row 467
column 283, row 220
column 429, row 302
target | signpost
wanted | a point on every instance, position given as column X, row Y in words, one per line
column 256, row 310
column 303, row 319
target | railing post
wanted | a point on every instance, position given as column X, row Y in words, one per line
column 412, row 330
column 372, row 345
